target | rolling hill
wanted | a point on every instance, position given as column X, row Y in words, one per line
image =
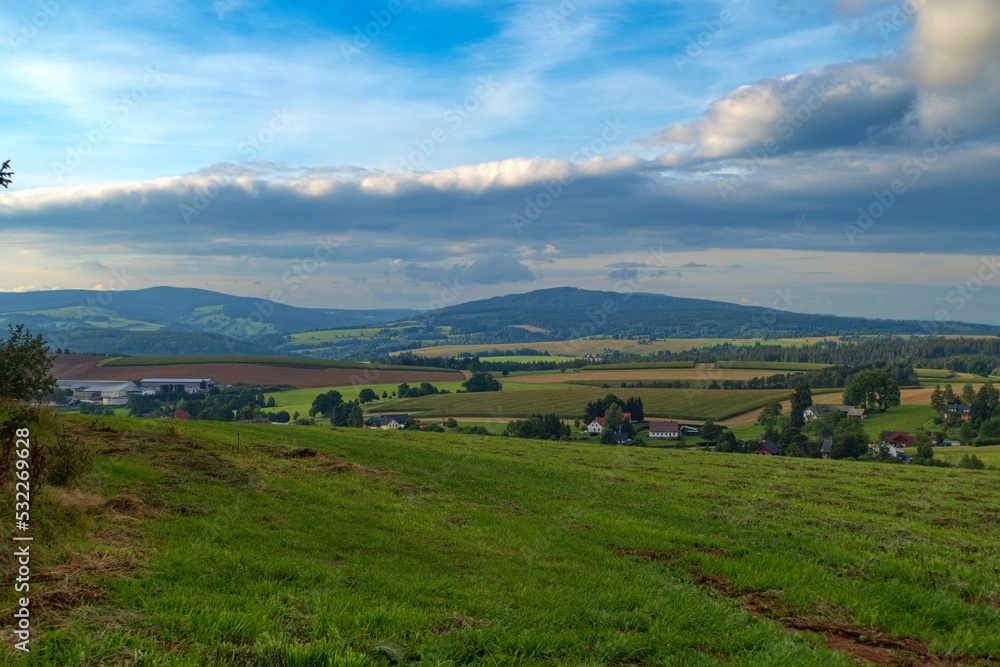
column 178, row 310
column 178, row 321
column 566, row 312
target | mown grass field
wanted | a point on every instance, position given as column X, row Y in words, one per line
column 302, row 399
column 778, row 366
column 703, row 373
column 697, row 404
column 180, row 549
column 526, row 358
column 989, row 455
column 930, row 377
column 332, row 335
column 639, row 365
column 900, row 418
column 296, row 399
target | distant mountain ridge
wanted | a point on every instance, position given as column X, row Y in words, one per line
column 183, row 321
column 569, row 312
column 176, row 309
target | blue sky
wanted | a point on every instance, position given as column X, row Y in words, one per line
column 822, row 156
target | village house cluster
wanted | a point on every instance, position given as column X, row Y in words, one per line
column 116, row 393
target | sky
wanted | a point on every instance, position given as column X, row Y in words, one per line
column 823, row 156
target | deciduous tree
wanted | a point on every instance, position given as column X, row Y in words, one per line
column 25, row 367
column 482, row 382
column 324, row 404
column 801, row 399
column 872, row 388
column 769, row 415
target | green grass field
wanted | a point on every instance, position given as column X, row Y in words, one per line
column 181, row 549
column 781, row 366
column 934, row 373
column 301, row 400
column 640, row 366
column 989, row 455
column 332, row 335
column 698, row 404
column 526, row 358
column 900, row 418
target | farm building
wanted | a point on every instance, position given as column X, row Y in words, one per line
column 387, row 422
column 826, row 449
column 814, row 412
column 766, row 448
column 963, row 411
column 176, row 385
column 898, row 438
column 107, row 393
column 668, row 429
column 596, row 427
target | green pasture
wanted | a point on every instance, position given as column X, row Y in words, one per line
column 990, row 455
column 526, row 358
column 698, row 404
column 331, row 335
column 639, row 365
column 217, row 544
column 781, row 366
column 302, row 399
column 900, row 418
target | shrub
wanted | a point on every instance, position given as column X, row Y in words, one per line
column 971, row 462
column 68, row 460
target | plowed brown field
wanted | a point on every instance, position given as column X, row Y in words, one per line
column 84, row 367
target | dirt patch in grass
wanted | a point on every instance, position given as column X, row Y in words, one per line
column 867, row 646
column 671, row 556
column 459, row 622
column 130, row 505
column 302, row 453
column 67, row 595
column 333, row 464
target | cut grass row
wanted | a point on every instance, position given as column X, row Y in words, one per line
column 460, row 550
column 301, row 400
column 639, row 365
column 785, row 366
column 697, row 404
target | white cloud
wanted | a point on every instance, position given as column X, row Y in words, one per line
column 956, row 60
column 834, row 106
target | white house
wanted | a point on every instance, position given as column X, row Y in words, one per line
column 814, row 412
column 668, row 429
column 387, row 422
column 596, row 427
